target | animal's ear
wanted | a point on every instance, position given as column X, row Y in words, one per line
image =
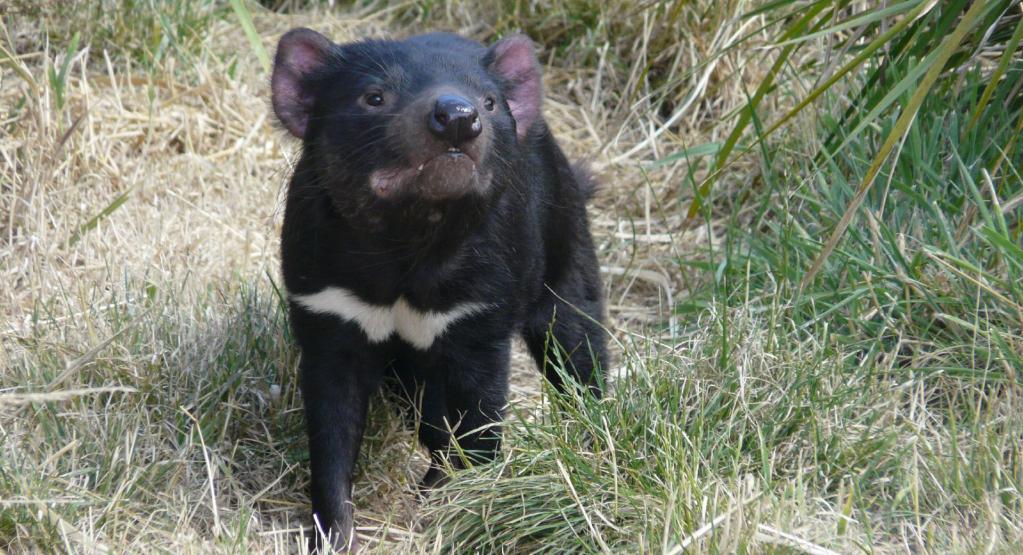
column 300, row 53
column 513, row 60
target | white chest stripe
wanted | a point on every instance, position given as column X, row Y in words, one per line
column 379, row 322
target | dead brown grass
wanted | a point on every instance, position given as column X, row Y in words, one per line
column 193, row 151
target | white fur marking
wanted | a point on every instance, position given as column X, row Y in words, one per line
column 420, row 329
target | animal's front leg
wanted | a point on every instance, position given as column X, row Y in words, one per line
column 475, row 382
column 565, row 330
column 336, row 387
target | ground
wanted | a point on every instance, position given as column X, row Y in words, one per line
column 150, row 207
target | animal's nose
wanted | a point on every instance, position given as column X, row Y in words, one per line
column 455, row 119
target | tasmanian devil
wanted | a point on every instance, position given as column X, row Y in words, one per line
column 430, row 218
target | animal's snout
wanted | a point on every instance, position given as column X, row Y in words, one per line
column 455, row 119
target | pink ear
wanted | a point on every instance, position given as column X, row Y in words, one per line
column 513, row 60
column 300, row 52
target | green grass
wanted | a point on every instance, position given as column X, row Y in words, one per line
column 684, row 438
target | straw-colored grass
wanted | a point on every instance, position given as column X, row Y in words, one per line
column 140, row 247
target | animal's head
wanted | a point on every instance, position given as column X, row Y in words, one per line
column 428, row 119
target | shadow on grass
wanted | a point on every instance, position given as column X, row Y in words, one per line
column 175, row 419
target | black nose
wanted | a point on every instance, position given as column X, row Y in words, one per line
column 455, row 119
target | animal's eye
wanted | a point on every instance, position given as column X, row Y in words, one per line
column 374, row 99
column 488, row 103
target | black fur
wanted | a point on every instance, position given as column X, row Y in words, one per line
column 519, row 242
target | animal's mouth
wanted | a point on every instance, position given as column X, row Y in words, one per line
column 450, row 155
column 450, row 174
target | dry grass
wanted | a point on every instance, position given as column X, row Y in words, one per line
column 138, row 248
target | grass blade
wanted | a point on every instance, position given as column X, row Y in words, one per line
column 867, row 18
column 758, row 95
column 245, row 18
column 902, row 125
column 1003, row 64
column 94, row 221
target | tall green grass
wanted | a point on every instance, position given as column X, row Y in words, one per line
column 932, row 261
